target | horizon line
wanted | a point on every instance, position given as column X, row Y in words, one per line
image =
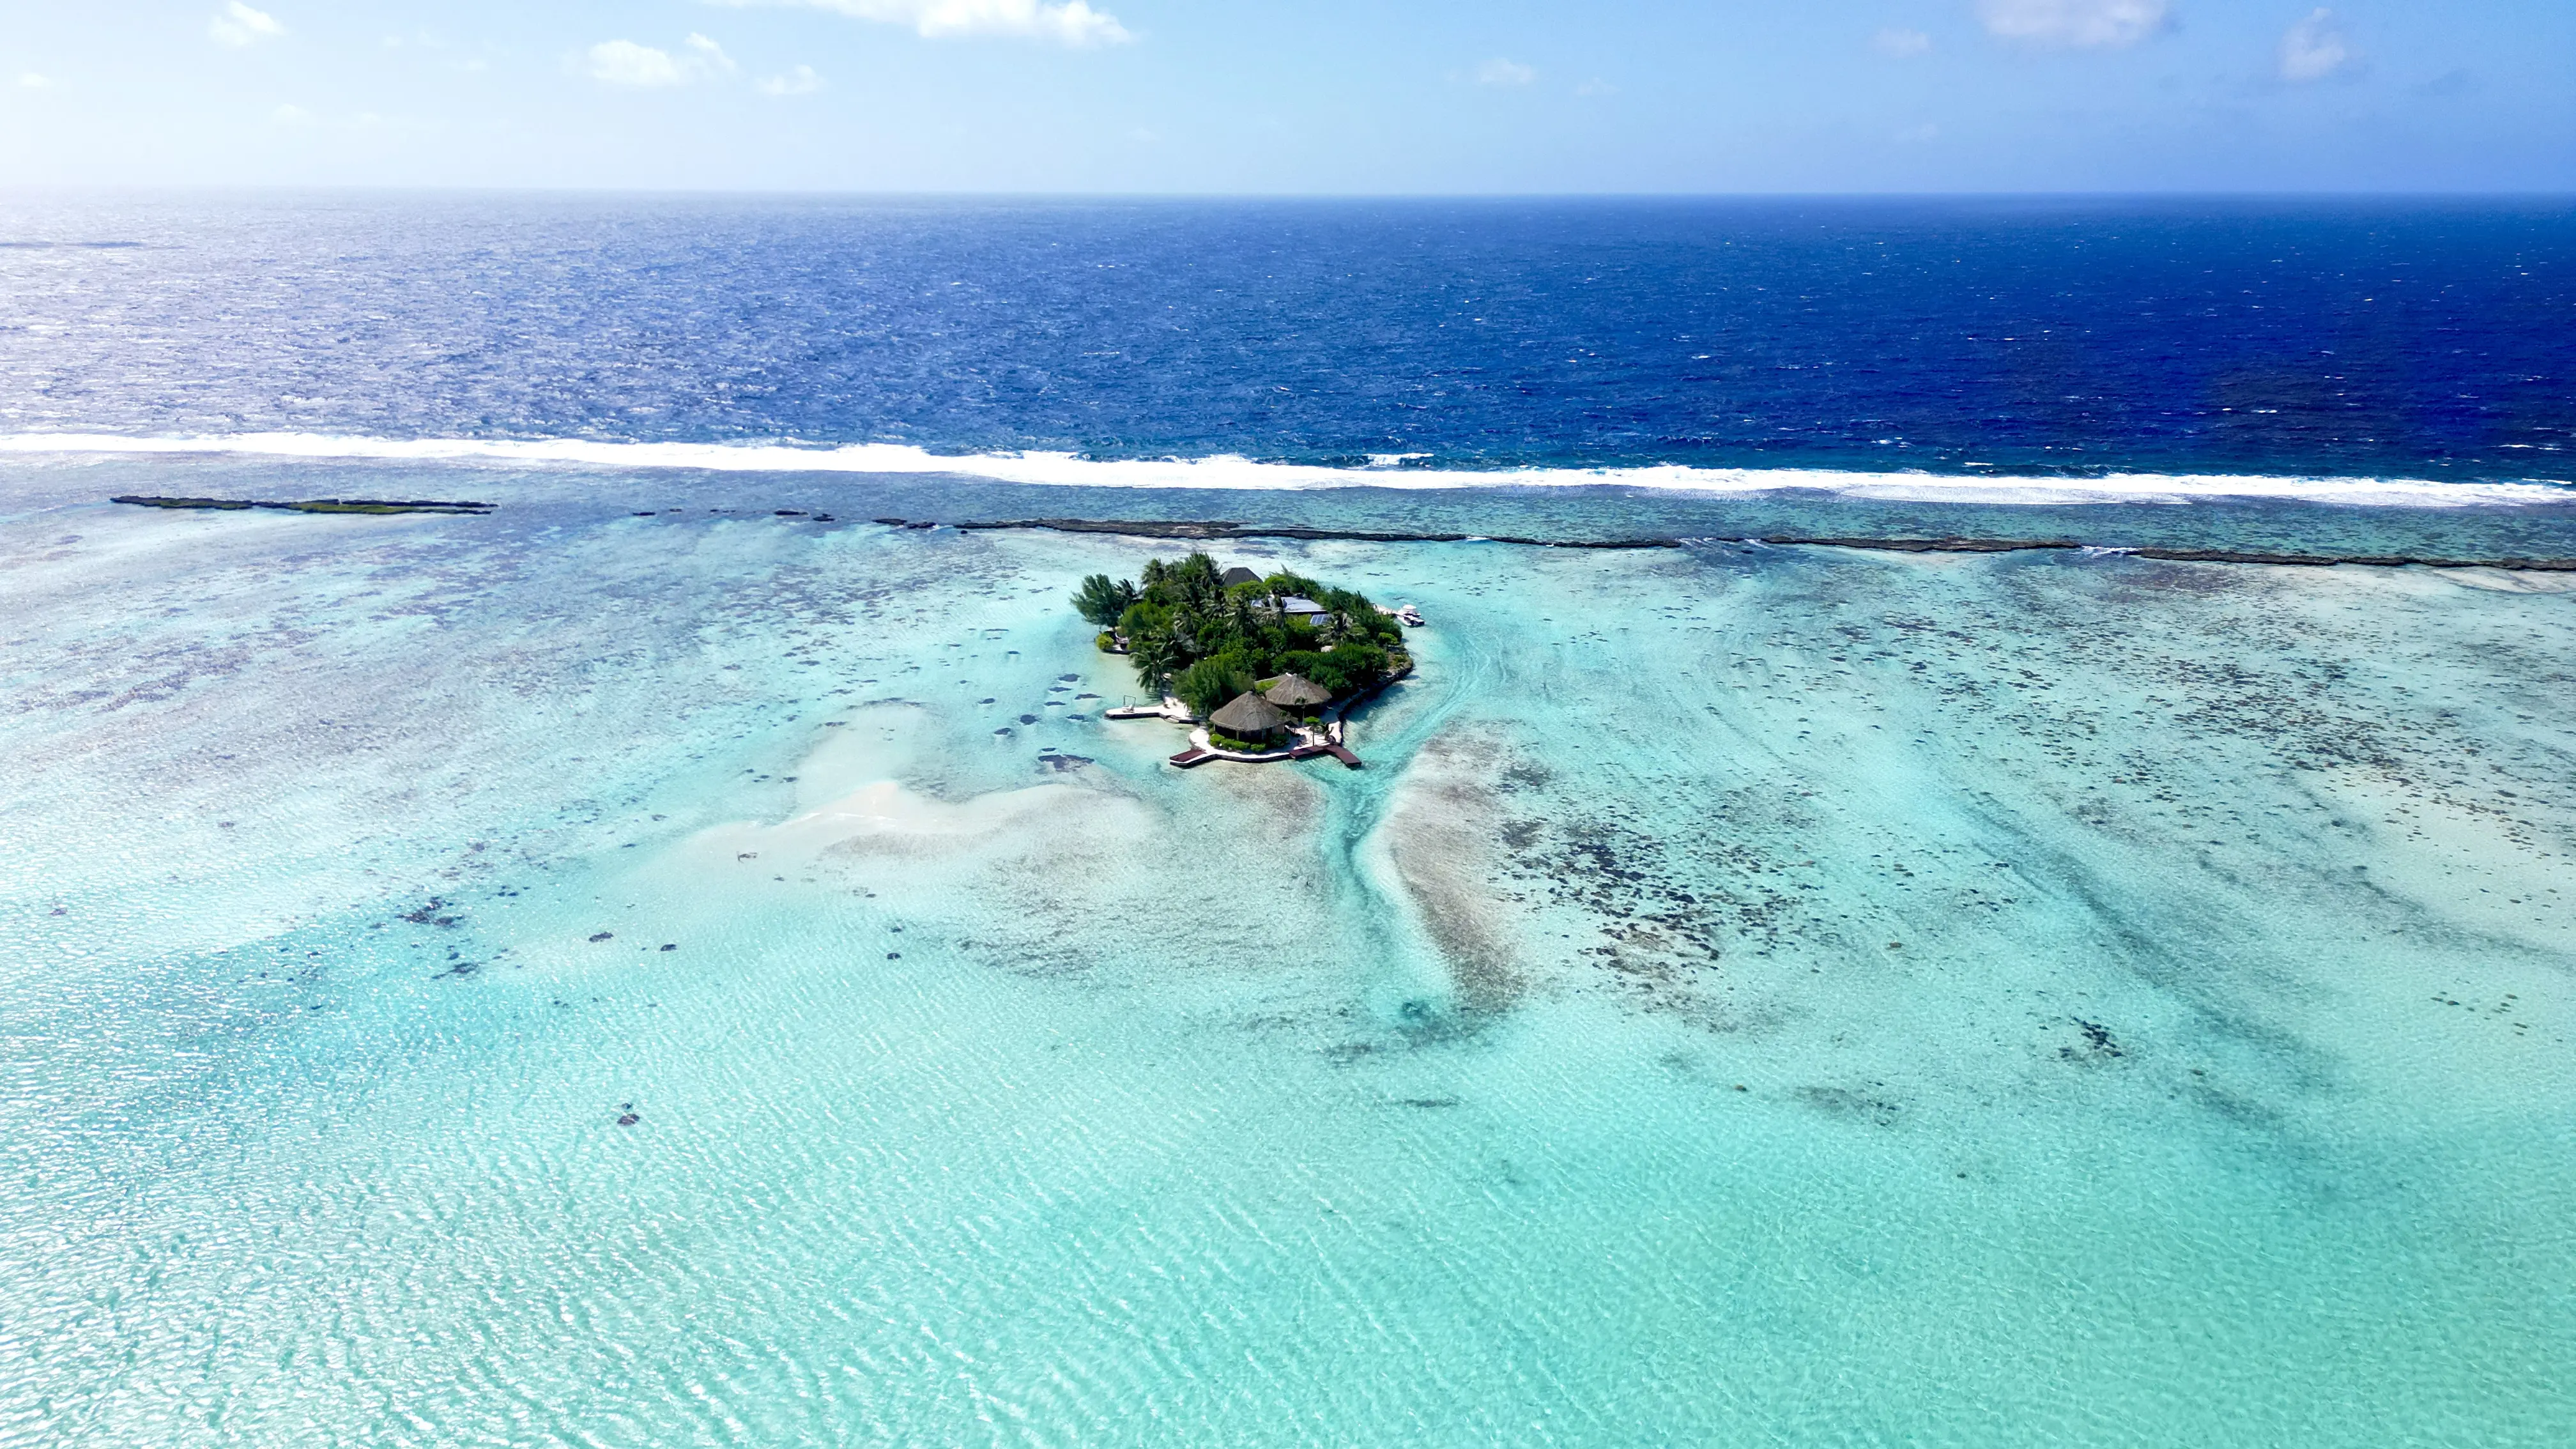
column 2567, row 194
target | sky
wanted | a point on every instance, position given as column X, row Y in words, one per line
column 1305, row 97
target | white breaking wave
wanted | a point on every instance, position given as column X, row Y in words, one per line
column 1231, row 472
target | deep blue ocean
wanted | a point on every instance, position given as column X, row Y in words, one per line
column 2432, row 339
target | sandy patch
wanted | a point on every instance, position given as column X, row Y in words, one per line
column 1440, row 835
column 884, row 817
column 852, row 803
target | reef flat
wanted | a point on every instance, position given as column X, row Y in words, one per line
column 1212, row 531
column 1805, row 995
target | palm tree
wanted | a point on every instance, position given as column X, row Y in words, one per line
column 1154, row 657
column 1102, row 599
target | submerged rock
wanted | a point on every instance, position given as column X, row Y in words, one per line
column 311, row 505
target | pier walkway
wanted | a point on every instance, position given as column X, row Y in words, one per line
column 1329, row 725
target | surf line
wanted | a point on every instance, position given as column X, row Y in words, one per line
column 1213, row 531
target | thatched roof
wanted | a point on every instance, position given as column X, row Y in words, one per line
column 1238, row 575
column 1248, row 714
column 1296, row 691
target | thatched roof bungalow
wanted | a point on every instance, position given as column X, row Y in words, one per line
column 1296, row 691
column 1248, row 715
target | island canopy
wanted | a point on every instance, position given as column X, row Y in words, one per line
column 1189, row 632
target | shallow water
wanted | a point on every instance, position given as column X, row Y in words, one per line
column 1750, row 996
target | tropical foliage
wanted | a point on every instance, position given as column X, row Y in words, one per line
column 1189, row 634
column 1102, row 599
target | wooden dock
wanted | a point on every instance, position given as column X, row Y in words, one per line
column 1197, row 755
column 1309, row 752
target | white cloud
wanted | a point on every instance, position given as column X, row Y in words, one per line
column 291, row 116
column 1065, row 22
column 2314, row 48
column 708, row 55
column 238, row 25
column 1900, row 43
column 801, row 81
column 1596, row 87
column 29, row 80
column 2075, row 24
column 624, row 63
column 1501, row 72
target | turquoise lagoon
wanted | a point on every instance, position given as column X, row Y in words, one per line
column 1752, row 996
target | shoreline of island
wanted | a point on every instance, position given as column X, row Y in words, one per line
column 1259, row 667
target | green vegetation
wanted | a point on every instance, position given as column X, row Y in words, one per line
column 1102, row 599
column 1189, row 634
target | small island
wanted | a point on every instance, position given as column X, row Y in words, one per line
column 1264, row 666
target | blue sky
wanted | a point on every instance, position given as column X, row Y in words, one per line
column 1508, row 96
